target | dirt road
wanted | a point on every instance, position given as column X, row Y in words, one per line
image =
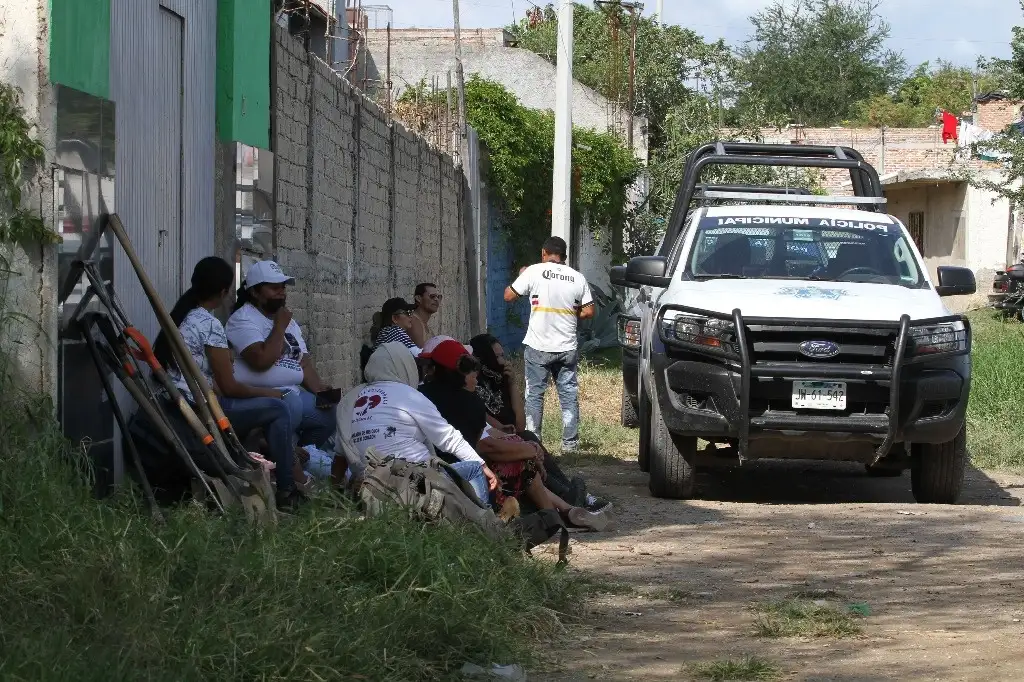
column 944, row 583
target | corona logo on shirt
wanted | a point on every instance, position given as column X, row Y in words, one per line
column 554, row 274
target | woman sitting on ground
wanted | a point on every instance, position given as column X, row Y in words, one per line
column 396, row 325
column 247, row 407
column 504, row 402
column 388, row 414
column 518, row 464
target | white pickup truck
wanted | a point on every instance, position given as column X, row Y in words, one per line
column 797, row 327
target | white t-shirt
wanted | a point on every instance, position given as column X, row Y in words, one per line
column 248, row 326
column 557, row 293
column 200, row 330
column 399, row 420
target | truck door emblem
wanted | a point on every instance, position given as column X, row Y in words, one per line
column 819, row 349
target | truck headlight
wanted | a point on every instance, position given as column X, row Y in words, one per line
column 700, row 331
column 947, row 337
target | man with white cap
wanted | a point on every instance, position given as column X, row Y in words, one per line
column 270, row 351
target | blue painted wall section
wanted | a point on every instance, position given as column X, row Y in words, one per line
column 505, row 322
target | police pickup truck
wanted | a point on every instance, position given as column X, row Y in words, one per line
column 789, row 326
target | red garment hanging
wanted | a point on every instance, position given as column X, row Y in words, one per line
column 950, row 126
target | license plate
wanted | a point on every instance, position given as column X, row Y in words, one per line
column 819, row 395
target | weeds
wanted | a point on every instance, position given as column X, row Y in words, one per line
column 803, row 618
column 93, row 591
column 746, row 669
column 994, row 428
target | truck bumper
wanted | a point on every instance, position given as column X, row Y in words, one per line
column 739, row 392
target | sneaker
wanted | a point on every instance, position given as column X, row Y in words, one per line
column 581, row 518
column 597, row 505
column 570, row 447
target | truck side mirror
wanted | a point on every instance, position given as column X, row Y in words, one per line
column 647, row 271
column 955, row 281
column 617, row 275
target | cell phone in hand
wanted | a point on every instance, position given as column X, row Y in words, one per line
column 327, row 399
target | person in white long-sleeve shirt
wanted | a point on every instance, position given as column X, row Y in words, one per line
column 389, row 414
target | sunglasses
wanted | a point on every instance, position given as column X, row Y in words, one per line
column 435, row 297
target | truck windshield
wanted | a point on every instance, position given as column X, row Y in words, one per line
column 815, row 249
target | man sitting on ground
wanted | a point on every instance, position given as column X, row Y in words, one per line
column 428, row 301
column 271, row 353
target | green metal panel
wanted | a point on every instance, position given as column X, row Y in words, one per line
column 80, row 45
column 243, row 72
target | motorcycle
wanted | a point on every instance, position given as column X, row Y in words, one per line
column 1008, row 291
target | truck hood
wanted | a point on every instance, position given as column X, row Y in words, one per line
column 804, row 299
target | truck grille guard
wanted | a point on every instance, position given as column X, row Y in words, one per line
column 737, row 354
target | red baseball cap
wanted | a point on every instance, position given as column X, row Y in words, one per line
column 447, row 354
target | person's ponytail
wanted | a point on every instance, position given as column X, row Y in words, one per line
column 242, row 296
column 188, row 302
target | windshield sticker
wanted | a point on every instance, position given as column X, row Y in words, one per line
column 813, row 292
column 763, row 220
column 809, row 222
column 803, row 235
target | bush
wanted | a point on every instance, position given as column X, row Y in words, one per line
column 995, row 431
column 92, row 590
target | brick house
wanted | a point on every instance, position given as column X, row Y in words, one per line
column 952, row 222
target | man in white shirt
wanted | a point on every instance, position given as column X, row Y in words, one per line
column 559, row 298
column 271, row 353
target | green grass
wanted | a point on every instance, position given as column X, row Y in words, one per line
column 798, row 617
column 93, row 590
column 746, row 669
column 995, row 430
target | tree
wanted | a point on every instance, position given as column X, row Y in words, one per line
column 913, row 105
column 812, row 61
column 1010, row 145
column 670, row 60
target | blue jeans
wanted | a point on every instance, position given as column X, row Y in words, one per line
column 562, row 367
column 473, row 473
column 312, row 426
column 273, row 415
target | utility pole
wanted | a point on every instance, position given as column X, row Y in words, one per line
column 561, row 200
column 460, row 79
column 660, row 12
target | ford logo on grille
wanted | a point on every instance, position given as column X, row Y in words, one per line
column 819, row 349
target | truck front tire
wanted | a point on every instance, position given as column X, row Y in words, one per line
column 671, row 459
column 937, row 469
column 627, row 411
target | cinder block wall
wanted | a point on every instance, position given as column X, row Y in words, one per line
column 364, row 211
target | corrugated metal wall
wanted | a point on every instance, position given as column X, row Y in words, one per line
column 165, row 141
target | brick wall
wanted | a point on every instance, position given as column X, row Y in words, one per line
column 889, row 151
column 364, row 211
column 996, row 114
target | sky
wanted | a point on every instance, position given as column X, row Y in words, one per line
column 923, row 30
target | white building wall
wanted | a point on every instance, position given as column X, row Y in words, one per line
column 29, row 288
column 988, row 224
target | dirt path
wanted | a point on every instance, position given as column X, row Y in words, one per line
column 944, row 583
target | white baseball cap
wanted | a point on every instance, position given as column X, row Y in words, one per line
column 266, row 272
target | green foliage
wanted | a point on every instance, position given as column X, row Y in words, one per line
column 18, row 150
column 994, row 430
column 520, row 146
column 666, row 58
column 1008, row 146
column 913, row 104
column 813, row 60
column 94, row 591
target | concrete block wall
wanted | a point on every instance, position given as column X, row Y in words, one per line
column 364, row 211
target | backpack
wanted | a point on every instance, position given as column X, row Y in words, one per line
column 433, row 491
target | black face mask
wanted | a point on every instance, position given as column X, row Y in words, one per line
column 272, row 305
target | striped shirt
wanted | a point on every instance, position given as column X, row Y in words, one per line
column 393, row 334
